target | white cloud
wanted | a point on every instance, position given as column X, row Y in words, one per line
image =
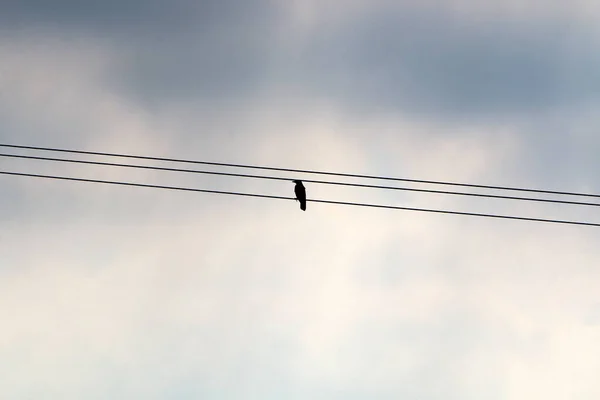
column 141, row 293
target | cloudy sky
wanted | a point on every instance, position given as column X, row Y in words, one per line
column 127, row 293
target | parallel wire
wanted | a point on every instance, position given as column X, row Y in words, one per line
column 304, row 180
column 498, row 216
column 95, row 153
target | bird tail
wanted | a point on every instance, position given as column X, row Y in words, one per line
column 303, row 205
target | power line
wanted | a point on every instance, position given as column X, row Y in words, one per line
column 305, row 180
column 339, row 174
column 512, row 217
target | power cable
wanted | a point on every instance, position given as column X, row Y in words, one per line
column 95, row 153
column 555, row 221
column 304, row 180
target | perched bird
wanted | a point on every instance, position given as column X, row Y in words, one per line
column 300, row 194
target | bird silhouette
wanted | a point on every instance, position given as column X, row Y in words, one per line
column 300, row 194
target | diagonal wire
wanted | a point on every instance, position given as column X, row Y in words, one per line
column 339, row 174
column 304, row 180
column 511, row 217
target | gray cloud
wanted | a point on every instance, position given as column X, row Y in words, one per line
column 408, row 60
column 115, row 17
column 170, row 50
column 435, row 65
column 126, row 293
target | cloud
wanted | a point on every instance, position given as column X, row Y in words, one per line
column 110, row 292
column 131, row 16
column 435, row 64
column 439, row 60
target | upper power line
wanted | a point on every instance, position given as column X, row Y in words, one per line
column 156, row 168
column 498, row 216
column 346, row 175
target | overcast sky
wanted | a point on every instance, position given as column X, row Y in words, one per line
column 127, row 293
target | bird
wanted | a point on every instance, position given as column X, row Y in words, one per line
column 300, row 194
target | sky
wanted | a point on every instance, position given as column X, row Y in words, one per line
column 111, row 292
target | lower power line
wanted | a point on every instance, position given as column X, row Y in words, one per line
column 361, row 176
column 360, row 185
column 512, row 217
